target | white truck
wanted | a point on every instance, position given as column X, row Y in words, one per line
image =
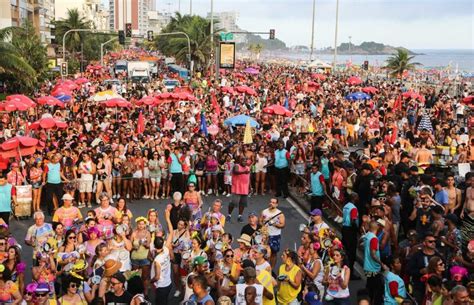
column 139, row 71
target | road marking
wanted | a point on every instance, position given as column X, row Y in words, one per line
column 297, row 208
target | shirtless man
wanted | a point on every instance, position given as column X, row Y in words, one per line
column 424, row 156
column 469, row 203
column 454, row 195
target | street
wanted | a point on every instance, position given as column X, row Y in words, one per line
column 290, row 236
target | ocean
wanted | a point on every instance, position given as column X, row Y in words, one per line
column 462, row 60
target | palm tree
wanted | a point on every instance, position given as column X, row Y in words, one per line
column 74, row 20
column 198, row 30
column 400, row 62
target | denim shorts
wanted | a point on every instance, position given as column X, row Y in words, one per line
column 274, row 243
column 140, row 262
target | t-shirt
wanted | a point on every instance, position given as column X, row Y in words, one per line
column 112, row 299
column 39, row 236
column 247, row 229
column 66, row 216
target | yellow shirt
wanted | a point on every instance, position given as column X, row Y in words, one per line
column 265, row 278
column 287, row 293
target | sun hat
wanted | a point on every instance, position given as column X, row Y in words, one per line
column 245, row 239
column 67, row 197
column 111, row 267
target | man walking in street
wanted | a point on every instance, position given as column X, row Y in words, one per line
column 282, row 157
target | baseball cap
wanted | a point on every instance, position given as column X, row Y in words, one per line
column 316, row 212
column 119, row 277
column 252, row 214
column 312, row 298
column 199, row 260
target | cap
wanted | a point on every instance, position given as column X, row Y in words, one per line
column 453, row 218
column 316, row 212
column 312, row 298
column 199, row 260
column 253, row 214
column 67, row 197
column 367, row 166
column 381, row 222
column 119, row 277
column 42, row 287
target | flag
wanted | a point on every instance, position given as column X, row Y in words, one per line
column 398, row 103
column 248, row 133
column 287, row 85
column 141, row 124
column 203, row 126
column 215, row 104
column 286, row 102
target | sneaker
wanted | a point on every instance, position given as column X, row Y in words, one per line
column 228, row 195
column 81, row 205
column 89, row 205
column 152, row 197
column 240, row 219
column 209, row 192
column 177, row 294
column 111, row 200
column 128, row 196
column 225, row 193
column 228, row 218
column 338, row 219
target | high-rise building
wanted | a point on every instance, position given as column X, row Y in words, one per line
column 39, row 12
column 129, row 11
column 225, row 20
column 157, row 21
column 91, row 10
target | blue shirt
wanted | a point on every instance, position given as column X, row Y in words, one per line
column 346, row 215
column 54, row 173
column 280, row 158
column 402, row 291
column 6, row 197
column 370, row 264
column 441, row 197
column 175, row 167
column 316, row 186
column 325, row 167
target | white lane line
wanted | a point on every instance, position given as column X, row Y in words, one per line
column 297, row 208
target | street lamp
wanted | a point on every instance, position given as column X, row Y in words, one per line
column 212, row 32
column 350, row 47
column 335, row 37
column 190, row 7
column 312, row 32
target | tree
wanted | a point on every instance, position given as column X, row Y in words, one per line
column 74, row 20
column 199, row 32
column 400, row 62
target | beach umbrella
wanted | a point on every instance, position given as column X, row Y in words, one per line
column 248, row 133
column 213, row 129
column 48, row 123
column 356, row 96
column 241, row 120
column 354, row 80
column 246, row 90
column 277, row 110
column 105, row 95
column 81, row 80
column 14, row 105
column 318, row 76
column 229, row 90
column 117, row 102
column 370, row 90
column 425, row 123
column 147, row 100
column 22, row 99
column 183, row 96
column 468, row 100
column 64, row 97
column 313, row 84
column 50, row 101
column 61, row 91
column 18, row 146
column 251, row 71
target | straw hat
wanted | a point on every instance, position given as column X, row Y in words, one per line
column 245, row 239
column 111, row 267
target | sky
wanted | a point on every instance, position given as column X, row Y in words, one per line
column 414, row 24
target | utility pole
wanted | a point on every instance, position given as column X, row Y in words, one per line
column 179, row 6
column 212, row 32
column 350, row 47
column 102, row 50
column 335, row 37
column 190, row 7
column 312, row 32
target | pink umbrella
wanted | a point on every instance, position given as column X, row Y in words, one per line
column 165, row 95
column 251, row 71
column 245, row 89
column 147, row 100
column 277, row 110
column 67, row 84
column 370, row 90
column 81, row 80
column 183, row 96
column 21, row 98
column 354, row 80
column 14, row 105
column 116, row 103
column 413, row 95
column 50, row 101
column 19, row 146
column 313, row 84
column 318, row 76
column 229, row 90
column 48, row 123
column 213, row 129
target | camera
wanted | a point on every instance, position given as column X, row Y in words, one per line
column 282, row 277
column 96, row 279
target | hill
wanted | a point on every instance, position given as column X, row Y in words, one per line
column 268, row 44
column 366, row 48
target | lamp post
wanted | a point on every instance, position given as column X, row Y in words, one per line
column 212, row 33
column 102, row 50
column 312, row 32
column 335, row 37
column 350, row 47
column 191, row 7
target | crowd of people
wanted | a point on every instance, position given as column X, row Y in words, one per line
column 382, row 165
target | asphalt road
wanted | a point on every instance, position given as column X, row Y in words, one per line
column 290, row 235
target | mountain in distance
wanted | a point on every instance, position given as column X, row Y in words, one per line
column 268, row 44
column 365, row 48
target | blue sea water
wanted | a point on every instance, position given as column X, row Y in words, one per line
column 463, row 60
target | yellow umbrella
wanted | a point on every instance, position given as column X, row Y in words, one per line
column 105, row 95
column 248, row 133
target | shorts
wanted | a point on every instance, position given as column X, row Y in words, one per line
column 115, row 173
column 85, row 186
column 146, row 173
column 299, row 168
column 36, row 185
column 274, row 243
column 138, row 174
column 140, row 262
column 209, row 173
column 177, row 258
column 155, row 179
column 228, row 179
column 242, row 200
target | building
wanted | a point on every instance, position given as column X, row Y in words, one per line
column 225, row 20
column 129, row 11
column 39, row 12
column 92, row 10
column 157, row 21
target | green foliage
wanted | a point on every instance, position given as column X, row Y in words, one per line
column 198, row 30
column 92, row 45
column 400, row 62
column 74, row 20
column 267, row 44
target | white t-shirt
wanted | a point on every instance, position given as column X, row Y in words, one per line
column 240, row 294
column 267, row 215
column 163, row 259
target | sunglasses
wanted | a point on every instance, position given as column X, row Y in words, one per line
column 73, row 285
column 41, row 295
column 431, row 241
column 231, row 255
column 72, row 237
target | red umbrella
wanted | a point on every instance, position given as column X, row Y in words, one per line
column 313, row 84
column 14, row 105
column 277, row 110
column 48, row 123
column 246, row 89
column 81, row 80
column 354, row 80
column 67, row 84
column 164, row 96
column 183, row 96
column 318, row 76
column 21, row 98
column 50, row 100
column 413, row 95
column 370, row 90
column 116, row 102
column 147, row 100
column 19, row 146
column 227, row 90
column 468, row 100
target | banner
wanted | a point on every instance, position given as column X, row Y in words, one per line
column 227, row 55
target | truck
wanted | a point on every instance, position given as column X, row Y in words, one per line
column 120, row 67
column 182, row 72
column 170, row 60
column 139, row 71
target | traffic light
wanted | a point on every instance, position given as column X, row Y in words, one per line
column 366, row 65
column 64, row 68
column 121, row 37
column 128, row 30
column 272, row 34
column 149, row 35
